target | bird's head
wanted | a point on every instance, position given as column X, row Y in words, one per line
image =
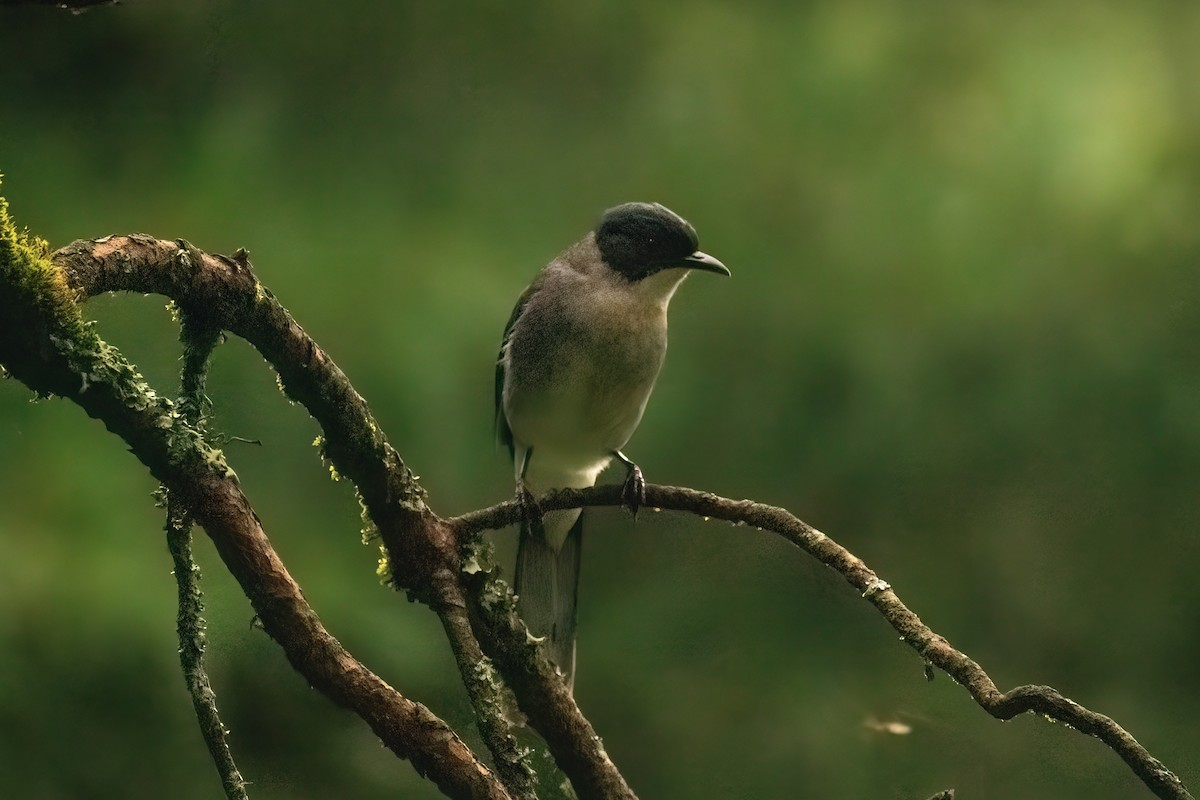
column 640, row 239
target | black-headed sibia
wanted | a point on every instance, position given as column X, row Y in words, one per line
column 579, row 359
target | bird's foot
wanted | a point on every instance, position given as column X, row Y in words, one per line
column 531, row 512
column 633, row 493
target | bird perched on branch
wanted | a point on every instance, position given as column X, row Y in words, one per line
column 580, row 356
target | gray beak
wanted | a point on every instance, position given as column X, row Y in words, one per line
column 704, row 261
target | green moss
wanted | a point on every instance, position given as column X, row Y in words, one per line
column 370, row 535
column 27, row 273
column 383, row 569
column 37, row 303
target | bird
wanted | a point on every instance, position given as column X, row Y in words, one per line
column 579, row 358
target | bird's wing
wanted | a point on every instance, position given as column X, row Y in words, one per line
column 503, row 432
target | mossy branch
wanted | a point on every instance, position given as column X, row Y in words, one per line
column 198, row 340
column 190, row 628
column 419, row 545
column 45, row 343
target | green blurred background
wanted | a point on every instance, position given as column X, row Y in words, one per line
column 961, row 337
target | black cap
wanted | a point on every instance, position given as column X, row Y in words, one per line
column 639, row 239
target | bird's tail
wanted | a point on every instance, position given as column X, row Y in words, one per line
column 547, row 587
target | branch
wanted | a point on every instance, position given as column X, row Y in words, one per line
column 190, row 628
column 485, row 688
column 539, row 689
column 45, row 343
column 426, row 552
column 933, row 648
column 419, row 545
column 198, row 343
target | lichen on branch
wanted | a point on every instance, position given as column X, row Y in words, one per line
column 46, row 343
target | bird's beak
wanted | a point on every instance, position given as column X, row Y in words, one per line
column 704, row 261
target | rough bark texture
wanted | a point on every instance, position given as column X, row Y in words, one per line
column 933, row 648
column 45, row 343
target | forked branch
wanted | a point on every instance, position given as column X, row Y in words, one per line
column 45, row 343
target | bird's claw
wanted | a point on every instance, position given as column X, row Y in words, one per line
column 633, row 493
column 531, row 512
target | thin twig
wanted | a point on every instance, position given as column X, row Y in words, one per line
column 933, row 648
column 198, row 340
column 191, row 651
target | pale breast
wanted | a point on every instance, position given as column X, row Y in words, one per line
column 580, row 367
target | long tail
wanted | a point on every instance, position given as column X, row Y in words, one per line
column 547, row 587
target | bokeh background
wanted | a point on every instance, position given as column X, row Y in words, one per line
column 961, row 337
